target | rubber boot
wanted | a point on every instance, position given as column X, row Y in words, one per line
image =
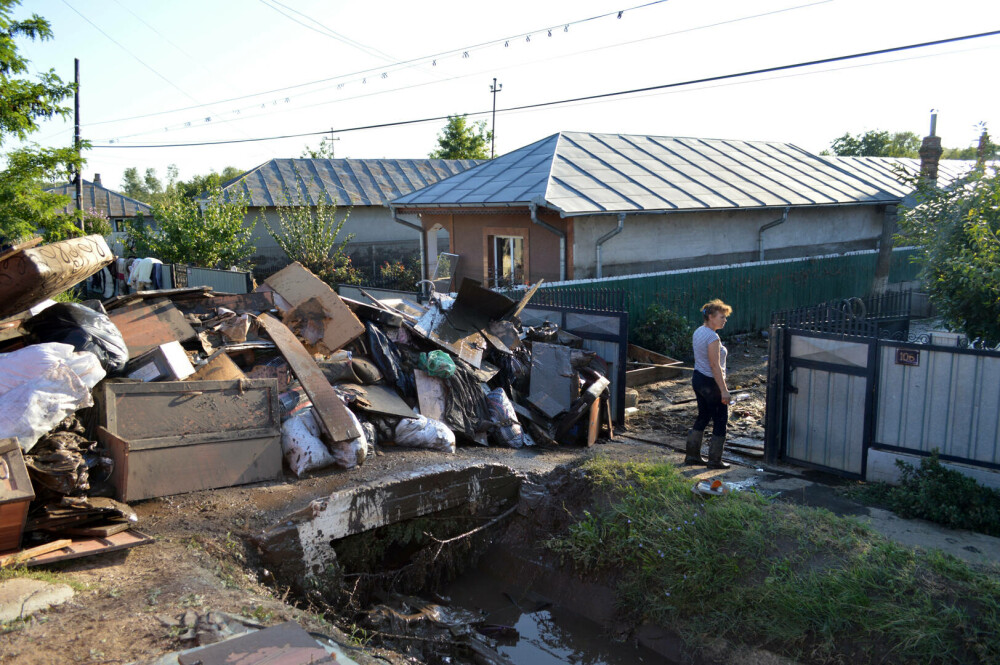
column 693, row 450
column 715, row 446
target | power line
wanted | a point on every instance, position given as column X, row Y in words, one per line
column 333, row 34
column 632, row 91
column 398, row 65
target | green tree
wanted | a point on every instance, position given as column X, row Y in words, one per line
column 209, row 233
column 311, row 236
column 463, row 140
column 877, row 143
column 957, row 231
column 24, row 206
column 324, row 151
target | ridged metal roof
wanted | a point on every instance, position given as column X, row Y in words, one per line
column 354, row 182
column 110, row 203
column 582, row 173
column 891, row 173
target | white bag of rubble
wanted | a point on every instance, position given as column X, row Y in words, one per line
column 508, row 431
column 40, row 385
column 350, row 454
column 424, row 432
column 300, row 442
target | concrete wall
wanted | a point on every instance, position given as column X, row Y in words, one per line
column 468, row 233
column 649, row 243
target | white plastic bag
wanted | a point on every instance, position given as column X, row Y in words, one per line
column 424, row 432
column 40, row 385
column 300, row 442
column 508, row 431
column 350, row 454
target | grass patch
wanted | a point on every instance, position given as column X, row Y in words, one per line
column 41, row 575
column 798, row 581
column 938, row 494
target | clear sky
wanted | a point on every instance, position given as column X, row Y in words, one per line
column 159, row 72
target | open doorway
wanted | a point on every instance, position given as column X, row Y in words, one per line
column 505, row 260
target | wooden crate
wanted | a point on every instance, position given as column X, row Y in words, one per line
column 173, row 437
column 15, row 494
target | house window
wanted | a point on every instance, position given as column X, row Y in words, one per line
column 505, row 256
column 119, row 225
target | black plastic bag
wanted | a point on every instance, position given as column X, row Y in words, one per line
column 389, row 362
column 83, row 329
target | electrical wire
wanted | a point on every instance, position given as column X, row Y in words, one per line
column 619, row 93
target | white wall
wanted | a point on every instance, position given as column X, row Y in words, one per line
column 690, row 239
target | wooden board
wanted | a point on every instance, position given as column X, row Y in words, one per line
column 16, row 493
column 256, row 302
column 89, row 546
column 430, row 394
column 331, row 413
column 218, row 367
column 148, row 325
column 296, row 284
column 665, row 367
column 384, row 400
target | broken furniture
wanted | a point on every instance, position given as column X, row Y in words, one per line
column 16, row 494
column 147, row 325
column 182, row 436
column 166, row 362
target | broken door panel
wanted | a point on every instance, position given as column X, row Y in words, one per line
column 554, row 385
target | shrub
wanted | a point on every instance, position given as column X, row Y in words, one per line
column 666, row 332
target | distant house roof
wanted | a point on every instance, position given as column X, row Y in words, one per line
column 96, row 196
column 354, row 182
column 582, row 173
column 886, row 171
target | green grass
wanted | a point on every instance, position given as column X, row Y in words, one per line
column 798, row 581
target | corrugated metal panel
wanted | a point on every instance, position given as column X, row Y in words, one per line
column 582, row 173
column 826, row 419
column 890, row 173
column 221, row 281
column 950, row 401
column 349, row 182
column 109, row 202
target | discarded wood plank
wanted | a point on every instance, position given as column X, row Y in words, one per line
column 145, row 327
column 331, row 413
column 116, row 302
column 651, row 367
column 430, row 394
column 524, row 301
column 90, row 546
column 97, row 530
column 32, row 552
column 296, row 284
column 218, row 367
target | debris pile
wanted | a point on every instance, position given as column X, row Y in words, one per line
column 161, row 392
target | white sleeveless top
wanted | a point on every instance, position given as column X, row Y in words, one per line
column 702, row 337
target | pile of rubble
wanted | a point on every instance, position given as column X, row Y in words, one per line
column 162, row 392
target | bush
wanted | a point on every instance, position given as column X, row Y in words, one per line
column 666, row 332
column 938, row 494
column 402, row 276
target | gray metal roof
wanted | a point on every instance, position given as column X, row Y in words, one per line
column 354, row 182
column 108, row 202
column 582, row 173
column 891, row 173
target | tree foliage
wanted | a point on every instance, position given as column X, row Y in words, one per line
column 311, row 236
column 211, row 234
column 324, row 151
column 957, row 231
column 877, row 143
column 463, row 140
column 150, row 189
column 24, row 206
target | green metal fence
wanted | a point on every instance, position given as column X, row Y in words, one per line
column 753, row 289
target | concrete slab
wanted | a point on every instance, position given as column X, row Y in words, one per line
column 21, row 597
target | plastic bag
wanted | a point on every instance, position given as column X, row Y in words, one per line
column 83, row 329
column 508, row 430
column 437, row 363
column 40, row 385
column 350, row 454
column 300, row 442
column 424, row 432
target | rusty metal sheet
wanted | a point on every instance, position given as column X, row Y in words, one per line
column 284, row 644
column 30, row 275
column 89, row 546
column 296, row 284
column 332, row 415
column 148, row 325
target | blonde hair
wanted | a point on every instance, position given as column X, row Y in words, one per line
column 713, row 306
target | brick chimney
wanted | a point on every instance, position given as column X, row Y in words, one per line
column 930, row 153
column 97, row 179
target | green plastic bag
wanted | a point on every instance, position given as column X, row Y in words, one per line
column 437, row 363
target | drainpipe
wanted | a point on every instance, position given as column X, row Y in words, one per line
column 420, row 230
column 769, row 225
column 533, row 208
column 608, row 236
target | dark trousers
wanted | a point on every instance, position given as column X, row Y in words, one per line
column 710, row 406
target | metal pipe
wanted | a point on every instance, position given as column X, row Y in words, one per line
column 608, row 236
column 760, row 232
column 533, row 208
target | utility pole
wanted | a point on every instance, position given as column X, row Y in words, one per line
column 493, row 130
column 76, row 143
column 333, row 151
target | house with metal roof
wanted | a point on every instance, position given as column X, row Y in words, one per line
column 362, row 186
column 119, row 209
column 579, row 205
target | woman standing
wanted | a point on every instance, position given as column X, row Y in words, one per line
column 709, row 383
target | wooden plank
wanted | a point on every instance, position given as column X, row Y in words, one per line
column 147, row 326
column 97, row 530
column 384, row 400
column 430, row 394
column 331, row 413
column 524, row 301
column 117, row 302
column 594, row 422
column 218, row 367
column 25, row 555
column 78, row 548
column 118, row 450
column 296, row 284
column 256, row 302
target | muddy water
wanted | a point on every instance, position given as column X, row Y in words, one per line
column 543, row 634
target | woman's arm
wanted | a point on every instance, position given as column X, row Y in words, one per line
column 714, row 353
